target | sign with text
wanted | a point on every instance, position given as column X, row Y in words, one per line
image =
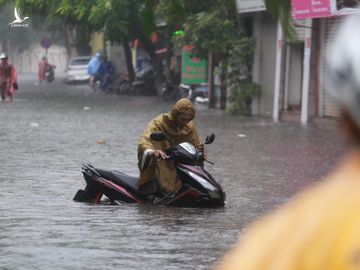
column 302, row 9
column 193, row 70
column 250, row 5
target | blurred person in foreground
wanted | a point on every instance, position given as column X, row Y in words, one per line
column 178, row 126
column 93, row 66
column 320, row 227
column 8, row 77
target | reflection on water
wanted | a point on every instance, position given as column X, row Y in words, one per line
column 42, row 228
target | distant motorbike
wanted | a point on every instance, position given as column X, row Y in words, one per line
column 144, row 83
column 50, row 74
column 175, row 92
column 122, row 85
column 172, row 91
column 199, row 188
column 104, row 84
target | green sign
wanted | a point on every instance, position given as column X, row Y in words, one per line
column 193, row 70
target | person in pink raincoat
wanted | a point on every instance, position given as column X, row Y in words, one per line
column 8, row 77
column 43, row 67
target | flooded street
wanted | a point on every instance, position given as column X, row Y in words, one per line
column 48, row 131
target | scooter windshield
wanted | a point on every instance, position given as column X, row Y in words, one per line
column 188, row 147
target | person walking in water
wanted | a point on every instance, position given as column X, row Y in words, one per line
column 93, row 68
column 8, row 77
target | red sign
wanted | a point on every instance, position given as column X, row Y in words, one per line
column 302, row 9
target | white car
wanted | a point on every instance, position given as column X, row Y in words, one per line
column 77, row 69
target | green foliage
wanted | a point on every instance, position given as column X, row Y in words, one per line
column 241, row 88
column 113, row 17
column 124, row 19
column 214, row 26
column 208, row 32
column 147, row 14
column 68, row 15
column 241, row 97
column 281, row 9
column 23, row 37
column 68, row 10
column 209, row 25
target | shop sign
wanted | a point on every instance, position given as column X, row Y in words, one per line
column 302, row 9
column 193, row 70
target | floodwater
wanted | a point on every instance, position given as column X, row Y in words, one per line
column 49, row 130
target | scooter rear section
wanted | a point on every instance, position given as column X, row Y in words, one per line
column 115, row 185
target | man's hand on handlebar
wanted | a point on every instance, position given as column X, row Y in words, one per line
column 158, row 155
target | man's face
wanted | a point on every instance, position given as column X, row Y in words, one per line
column 183, row 119
column 3, row 60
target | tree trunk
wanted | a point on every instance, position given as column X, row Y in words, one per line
column 69, row 33
column 150, row 49
column 169, row 53
column 223, row 87
column 82, row 39
column 211, row 93
column 129, row 64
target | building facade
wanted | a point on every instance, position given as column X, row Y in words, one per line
column 294, row 73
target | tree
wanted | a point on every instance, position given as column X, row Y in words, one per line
column 22, row 37
column 124, row 21
column 71, row 16
column 281, row 10
column 213, row 26
column 121, row 20
column 8, row 35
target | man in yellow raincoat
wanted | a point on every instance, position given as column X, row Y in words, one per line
column 178, row 127
column 320, row 228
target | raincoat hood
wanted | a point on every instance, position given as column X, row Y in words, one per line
column 182, row 107
column 3, row 55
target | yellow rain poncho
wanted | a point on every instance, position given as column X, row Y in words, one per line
column 318, row 230
column 163, row 170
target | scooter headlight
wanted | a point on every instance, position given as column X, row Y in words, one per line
column 202, row 181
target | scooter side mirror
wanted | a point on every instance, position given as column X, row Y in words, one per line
column 210, row 138
column 157, row 136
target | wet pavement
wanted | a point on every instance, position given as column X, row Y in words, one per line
column 49, row 130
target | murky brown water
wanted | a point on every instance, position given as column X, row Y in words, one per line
column 48, row 131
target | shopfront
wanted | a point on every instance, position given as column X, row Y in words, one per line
column 329, row 13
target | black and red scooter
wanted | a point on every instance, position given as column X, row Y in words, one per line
column 199, row 189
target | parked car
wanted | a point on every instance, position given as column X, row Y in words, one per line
column 77, row 69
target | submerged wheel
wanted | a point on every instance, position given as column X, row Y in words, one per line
column 85, row 196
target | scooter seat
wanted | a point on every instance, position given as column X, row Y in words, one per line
column 128, row 179
column 121, row 179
